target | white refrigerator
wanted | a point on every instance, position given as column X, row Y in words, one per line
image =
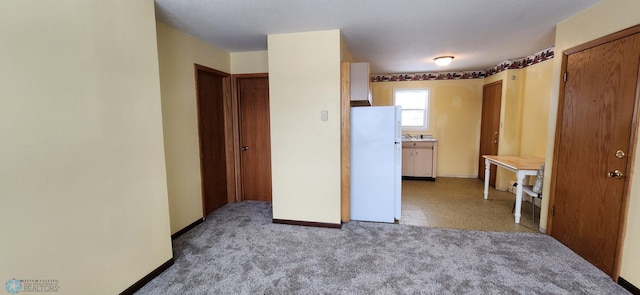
column 376, row 163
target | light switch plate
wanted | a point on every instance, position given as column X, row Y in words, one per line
column 324, row 115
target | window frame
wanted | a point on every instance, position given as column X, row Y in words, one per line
column 426, row 110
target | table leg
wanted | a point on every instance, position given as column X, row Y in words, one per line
column 519, row 181
column 487, row 175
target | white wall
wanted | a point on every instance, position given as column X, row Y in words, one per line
column 604, row 18
column 178, row 52
column 82, row 179
column 304, row 79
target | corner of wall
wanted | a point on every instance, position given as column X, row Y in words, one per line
column 306, row 174
column 345, row 52
column 177, row 54
column 603, row 18
column 251, row 62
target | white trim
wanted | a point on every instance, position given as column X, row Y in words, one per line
column 427, row 111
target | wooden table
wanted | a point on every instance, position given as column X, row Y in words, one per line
column 522, row 166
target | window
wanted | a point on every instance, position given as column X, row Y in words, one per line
column 415, row 108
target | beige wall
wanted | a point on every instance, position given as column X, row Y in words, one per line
column 249, row 62
column 178, row 52
column 304, row 79
column 456, row 108
column 345, row 52
column 604, row 18
column 82, row 180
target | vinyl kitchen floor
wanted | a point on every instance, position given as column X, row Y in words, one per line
column 459, row 203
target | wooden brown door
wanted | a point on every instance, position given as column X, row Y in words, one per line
column 594, row 123
column 212, row 139
column 255, row 139
column 490, row 127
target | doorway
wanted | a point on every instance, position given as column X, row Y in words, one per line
column 490, row 127
column 215, row 134
column 595, row 137
column 252, row 97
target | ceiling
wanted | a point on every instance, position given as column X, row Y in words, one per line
column 395, row 36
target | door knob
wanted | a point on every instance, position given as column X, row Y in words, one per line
column 244, row 148
column 615, row 174
column 494, row 142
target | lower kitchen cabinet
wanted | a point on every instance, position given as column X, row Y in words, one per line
column 419, row 159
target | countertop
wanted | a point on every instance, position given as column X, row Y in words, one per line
column 418, row 139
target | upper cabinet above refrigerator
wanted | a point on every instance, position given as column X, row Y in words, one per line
column 360, row 84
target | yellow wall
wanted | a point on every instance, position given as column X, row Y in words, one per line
column 523, row 114
column 604, row 18
column 82, row 179
column 456, row 107
column 510, row 120
column 304, row 79
column 535, row 93
column 178, row 52
column 249, row 62
column 510, row 113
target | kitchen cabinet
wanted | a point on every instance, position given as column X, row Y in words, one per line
column 360, row 94
column 419, row 159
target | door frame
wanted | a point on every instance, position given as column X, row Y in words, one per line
column 228, row 133
column 632, row 144
column 345, row 141
column 236, row 129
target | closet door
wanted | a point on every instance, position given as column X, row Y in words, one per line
column 594, row 139
column 490, row 127
column 255, row 140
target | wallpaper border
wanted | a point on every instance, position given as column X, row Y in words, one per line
column 516, row 63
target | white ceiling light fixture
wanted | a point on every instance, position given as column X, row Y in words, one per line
column 443, row 60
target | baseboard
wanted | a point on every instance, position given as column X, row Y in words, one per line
column 457, row 176
column 156, row 272
column 628, row 286
column 418, row 178
column 308, row 223
column 186, row 228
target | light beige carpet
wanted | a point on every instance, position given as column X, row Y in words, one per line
column 237, row 250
